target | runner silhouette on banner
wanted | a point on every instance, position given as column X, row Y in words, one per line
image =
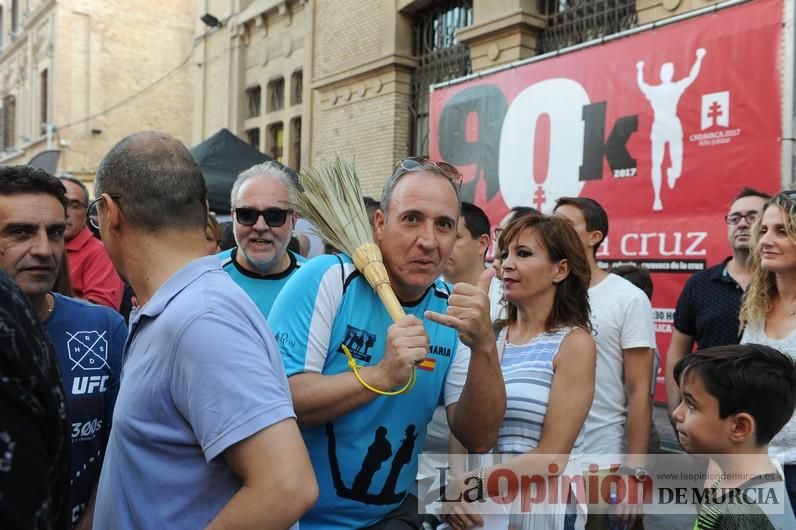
column 666, row 126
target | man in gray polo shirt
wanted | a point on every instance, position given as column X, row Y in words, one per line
column 204, row 433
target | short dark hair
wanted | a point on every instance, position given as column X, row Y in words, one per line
column 751, row 378
column 74, row 180
column 227, row 236
column 475, row 220
column 750, row 192
column 371, row 205
column 159, row 183
column 593, row 213
column 638, row 275
column 214, row 226
column 519, row 211
column 18, row 180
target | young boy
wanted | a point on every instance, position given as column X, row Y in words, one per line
column 734, row 400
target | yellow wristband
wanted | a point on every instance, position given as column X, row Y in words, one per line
column 354, row 368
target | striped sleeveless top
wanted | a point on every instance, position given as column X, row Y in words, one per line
column 528, row 374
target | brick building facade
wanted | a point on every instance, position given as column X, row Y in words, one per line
column 91, row 71
column 365, row 66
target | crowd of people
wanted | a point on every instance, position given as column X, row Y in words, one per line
column 253, row 388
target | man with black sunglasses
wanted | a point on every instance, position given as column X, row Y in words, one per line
column 708, row 307
column 262, row 223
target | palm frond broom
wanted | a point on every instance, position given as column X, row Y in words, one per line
column 331, row 200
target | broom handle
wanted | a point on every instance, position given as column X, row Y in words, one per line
column 369, row 261
column 390, row 301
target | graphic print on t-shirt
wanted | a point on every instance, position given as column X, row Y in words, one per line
column 358, row 342
column 88, row 350
column 379, row 452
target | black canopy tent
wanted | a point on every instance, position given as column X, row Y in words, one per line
column 222, row 157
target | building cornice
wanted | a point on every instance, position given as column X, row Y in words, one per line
column 263, row 7
column 37, row 14
column 362, row 70
column 27, row 28
column 501, row 25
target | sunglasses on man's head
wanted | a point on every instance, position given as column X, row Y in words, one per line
column 273, row 217
column 425, row 164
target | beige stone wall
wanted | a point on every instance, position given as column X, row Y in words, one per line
column 114, row 70
column 261, row 40
column 361, row 86
column 366, row 120
column 347, row 34
column 24, row 55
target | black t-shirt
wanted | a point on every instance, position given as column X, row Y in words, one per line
column 34, row 430
column 709, row 306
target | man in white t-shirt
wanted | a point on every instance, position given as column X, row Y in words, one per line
column 621, row 318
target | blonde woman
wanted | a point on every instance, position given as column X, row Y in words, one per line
column 768, row 313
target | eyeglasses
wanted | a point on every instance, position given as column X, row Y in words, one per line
column 273, row 217
column 735, row 218
column 75, row 205
column 92, row 212
column 410, row 164
column 790, row 194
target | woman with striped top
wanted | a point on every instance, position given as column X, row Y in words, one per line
column 548, row 360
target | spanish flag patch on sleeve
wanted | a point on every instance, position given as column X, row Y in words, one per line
column 427, row 364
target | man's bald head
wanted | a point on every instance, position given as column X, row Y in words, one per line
column 159, row 184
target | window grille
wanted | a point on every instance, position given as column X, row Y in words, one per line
column 253, row 136
column 276, row 94
column 571, row 22
column 296, row 86
column 296, row 143
column 9, row 121
column 440, row 57
column 253, row 101
column 275, row 141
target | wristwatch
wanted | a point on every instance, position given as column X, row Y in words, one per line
column 640, row 473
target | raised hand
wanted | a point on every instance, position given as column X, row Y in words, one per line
column 468, row 312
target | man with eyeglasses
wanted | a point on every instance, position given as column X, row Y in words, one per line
column 262, row 223
column 708, row 307
column 90, row 270
column 365, row 388
column 204, row 432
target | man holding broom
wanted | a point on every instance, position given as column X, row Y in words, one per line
column 364, row 389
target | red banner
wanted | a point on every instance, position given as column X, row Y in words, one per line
column 662, row 128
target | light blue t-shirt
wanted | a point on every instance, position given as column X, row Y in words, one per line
column 262, row 288
column 88, row 341
column 365, row 461
column 201, row 372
